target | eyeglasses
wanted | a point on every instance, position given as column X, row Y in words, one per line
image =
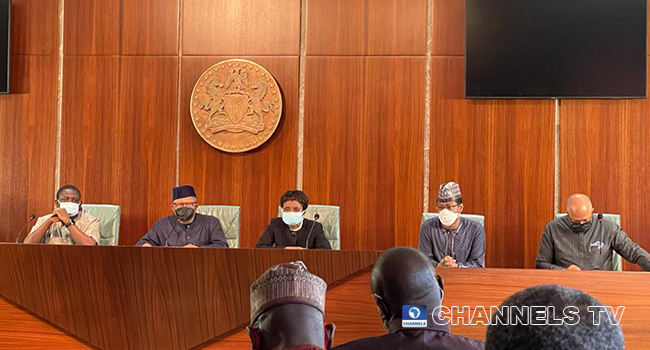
column 184, row 205
column 451, row 207
column 68, row 200
column 579, row 222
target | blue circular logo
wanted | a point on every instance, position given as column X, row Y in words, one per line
column 414, row 312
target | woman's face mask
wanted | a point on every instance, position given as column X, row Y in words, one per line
column 292, row 218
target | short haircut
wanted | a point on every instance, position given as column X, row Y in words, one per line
column 586, row 334
column 68, row 187
column 295, row 195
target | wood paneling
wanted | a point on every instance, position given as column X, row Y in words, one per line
column 362, row 27
column 121, row 298
column 23, row 330
column 604, row 154
column 254, row 180
column 118, row 137
column 34, row 27
column 92, row 27
column 501, row 152
column 448, row 28
column 364, row 146
column 150, row 27
column 253, row 27
column 28, row 142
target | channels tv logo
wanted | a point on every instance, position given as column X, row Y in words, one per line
column 414, row 316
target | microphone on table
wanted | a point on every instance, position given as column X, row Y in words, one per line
column 316, row 217
column 32, row 216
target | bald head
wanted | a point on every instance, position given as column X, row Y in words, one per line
column 404, row 276
column 579, row 207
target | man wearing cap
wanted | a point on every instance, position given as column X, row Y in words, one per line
column 403, row 276
column 288, row 310
column 68, row 223
column 450, row 240
column 185, row 228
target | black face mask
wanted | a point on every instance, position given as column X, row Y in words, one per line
column 184, row 213
column 580, row 228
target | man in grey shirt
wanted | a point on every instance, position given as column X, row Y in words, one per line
column 584, row 241
column 451, row 240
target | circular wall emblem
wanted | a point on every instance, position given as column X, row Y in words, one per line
column 236, row 105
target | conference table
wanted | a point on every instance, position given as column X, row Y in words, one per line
column 76, row 297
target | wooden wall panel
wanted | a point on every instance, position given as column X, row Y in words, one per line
column 34, row 27
column 28, row 142
column 92, row 27
column 362, row 27
column 224, row 27
column 254, row 180
column 364, row 145
column 118, row 137
column 448, row 28
column 604, row 154
column 150, row 27
column 501, row 152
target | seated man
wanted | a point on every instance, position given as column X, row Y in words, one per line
column 185, row 228
column 287, row 310
column 292, row 230
column 450, row 240
column 404, row 276
column 583, row 241
column 585, row 326
column 68, row 224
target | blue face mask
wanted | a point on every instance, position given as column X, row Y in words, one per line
column 292, row 218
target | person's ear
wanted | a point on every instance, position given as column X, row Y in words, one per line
column 460, row 208
column 384, row 312
column 330, row 328
column 254, row 335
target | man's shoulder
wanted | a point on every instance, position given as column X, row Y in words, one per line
column 461, row 342
column 432, row 340
column 471, row 225
column 165, row 220
column 557, row 225
column 89, row 217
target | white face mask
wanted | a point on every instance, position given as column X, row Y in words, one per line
column 448, row 217
column 71, row 208
column 292, row 218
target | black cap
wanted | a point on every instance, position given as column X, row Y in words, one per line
column 182, row 192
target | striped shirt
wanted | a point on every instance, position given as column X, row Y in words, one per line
column 466, row 244
column 560, row 247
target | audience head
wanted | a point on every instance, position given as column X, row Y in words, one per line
column 288, row 308
column 403, row 276
column 582, row 331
